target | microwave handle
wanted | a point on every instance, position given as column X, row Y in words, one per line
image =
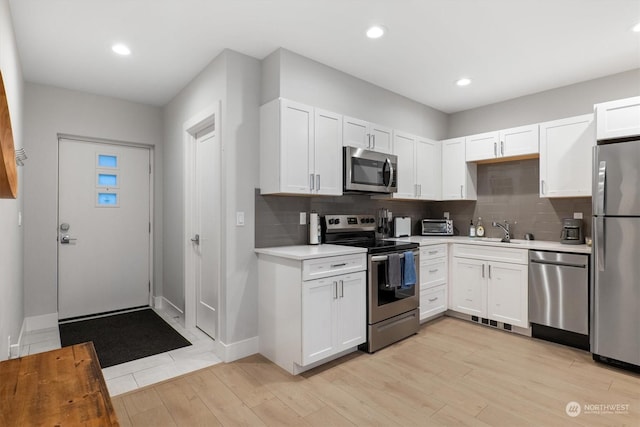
column 388, row 162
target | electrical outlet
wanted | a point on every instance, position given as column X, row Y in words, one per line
column 303, row 218
column 446, row 215
column 577, row 215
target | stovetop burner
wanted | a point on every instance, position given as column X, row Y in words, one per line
column 358, row 231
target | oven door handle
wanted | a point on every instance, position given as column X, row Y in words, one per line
column 379, row 258
column 389, row 165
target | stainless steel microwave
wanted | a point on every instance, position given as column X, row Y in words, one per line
column 369, row 171
column 437, row 227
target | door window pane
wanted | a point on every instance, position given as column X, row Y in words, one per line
column 107, row 161
column 107, row 180
column 107, row 199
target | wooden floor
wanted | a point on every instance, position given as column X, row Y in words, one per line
column 452, row 373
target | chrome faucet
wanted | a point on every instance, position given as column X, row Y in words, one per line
column 505, row 228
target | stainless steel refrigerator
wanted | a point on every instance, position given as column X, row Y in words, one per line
column 615, row 288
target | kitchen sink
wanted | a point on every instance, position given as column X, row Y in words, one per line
column 495, row 240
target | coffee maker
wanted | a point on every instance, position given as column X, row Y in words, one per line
column 572, row 233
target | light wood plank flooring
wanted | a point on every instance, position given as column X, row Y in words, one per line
column 452, row 373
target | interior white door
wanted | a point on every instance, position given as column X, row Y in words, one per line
column 206, row 239
column 104, row 229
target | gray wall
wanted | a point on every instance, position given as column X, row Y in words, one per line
column 233, row 79
column 567, row 101
column 50, row 111
column 11, row 242
column 292, row 76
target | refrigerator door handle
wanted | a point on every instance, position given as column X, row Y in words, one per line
column 602, row 183
column 599, row 243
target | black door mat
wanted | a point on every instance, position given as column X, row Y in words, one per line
column 124, row 337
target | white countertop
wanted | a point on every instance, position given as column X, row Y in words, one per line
column 303, row 252
column 490, row 241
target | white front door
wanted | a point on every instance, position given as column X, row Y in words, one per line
column 104, row 227
column 206, row 230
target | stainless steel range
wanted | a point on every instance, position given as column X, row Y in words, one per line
column 392, row 298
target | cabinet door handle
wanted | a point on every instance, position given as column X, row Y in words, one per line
column 311, row 182
column 341, row 288
column 318, row 182
column 433, row 271
column 433, row 252
column 338, row 265
column 373, row 147
column 335, row 290
column 502, row 148
column 433, row 299
column 419, row 189
column 542, row 187
column 489, row 271
column 495, row 149
column 461, row 191
column 483, row 271
column 368, row 140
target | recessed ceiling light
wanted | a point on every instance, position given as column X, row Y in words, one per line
column 463, row 81
column 636, row 28
column 375, row 32
column 121, row 49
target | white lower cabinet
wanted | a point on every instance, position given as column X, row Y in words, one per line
column 490, row 289
column 433, row 281
column 333, row 315
column 311, row 310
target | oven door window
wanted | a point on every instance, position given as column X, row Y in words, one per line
column 387, row 293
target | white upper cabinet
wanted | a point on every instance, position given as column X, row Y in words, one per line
column 419, row 167
column 300, row 149
column 458, row 177
column 618, row 119
column 482, row 146
column 404, row 148
column 515, row 142
column 429, row 168
column 363, row 134
column 328, row 152
column 565, row 157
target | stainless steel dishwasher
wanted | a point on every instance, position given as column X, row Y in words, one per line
column 559, row 297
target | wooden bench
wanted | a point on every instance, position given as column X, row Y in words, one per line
column 62, row 387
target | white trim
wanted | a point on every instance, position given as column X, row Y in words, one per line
column 237, row 350
column 203, row 119
column 44, row 321
column 157, row 302
column 165, row 302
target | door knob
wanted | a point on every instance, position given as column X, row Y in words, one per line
column 196, row 239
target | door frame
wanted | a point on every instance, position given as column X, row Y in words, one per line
column 104, row 141
column 203, row 119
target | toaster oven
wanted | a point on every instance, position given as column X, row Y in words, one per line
column 437, row 227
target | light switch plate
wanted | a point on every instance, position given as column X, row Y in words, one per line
column 240, row 218
column 303, row 218
column 577, row 215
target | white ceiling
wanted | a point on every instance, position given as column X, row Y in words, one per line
column 509, row 48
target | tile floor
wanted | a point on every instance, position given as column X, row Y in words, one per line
column 142, row 372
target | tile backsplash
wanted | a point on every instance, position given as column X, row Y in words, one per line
column 509, row 191
column 506, row 191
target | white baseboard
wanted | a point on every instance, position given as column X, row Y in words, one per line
column 237, row 350
column 158, row 302
column 44, row 321
column 169, row 303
